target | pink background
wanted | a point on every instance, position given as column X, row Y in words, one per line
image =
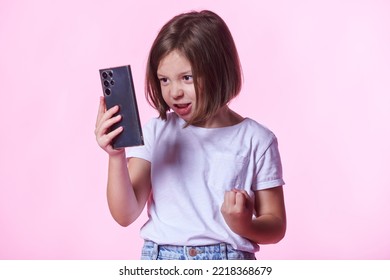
column 316, row 72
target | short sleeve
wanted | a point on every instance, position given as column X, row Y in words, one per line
column 269, row 172
column 144, row 151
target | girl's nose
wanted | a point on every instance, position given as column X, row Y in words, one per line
column 177, row 92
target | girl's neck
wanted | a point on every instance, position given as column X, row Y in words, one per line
column 223, row 118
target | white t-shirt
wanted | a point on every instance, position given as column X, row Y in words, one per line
column 191, row 168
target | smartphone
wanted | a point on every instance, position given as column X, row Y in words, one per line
column 118, row 89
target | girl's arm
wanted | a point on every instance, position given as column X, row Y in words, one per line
column 269, row 225
column 128, row 188
column 128, row 185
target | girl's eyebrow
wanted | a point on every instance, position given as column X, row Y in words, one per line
column 188, row 72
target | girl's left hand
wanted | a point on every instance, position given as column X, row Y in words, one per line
column 237, row 210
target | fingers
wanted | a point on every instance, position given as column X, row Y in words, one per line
column 105, row 139
column 236, row 200
column 101, row 110
column 103, row 114
column 105, row 124
column 242, row 197
column 230, row 198
column 105, row 119
column 240, row 200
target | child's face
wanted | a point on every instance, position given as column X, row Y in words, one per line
column 177, row 86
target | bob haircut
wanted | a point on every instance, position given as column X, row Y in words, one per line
column 205, row 40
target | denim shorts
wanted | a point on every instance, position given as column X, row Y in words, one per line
column 221, row 251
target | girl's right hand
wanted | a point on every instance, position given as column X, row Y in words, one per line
column 104, row 121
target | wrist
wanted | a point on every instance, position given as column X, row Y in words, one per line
column 118, row 155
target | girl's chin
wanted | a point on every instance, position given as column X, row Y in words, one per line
column 185, row 118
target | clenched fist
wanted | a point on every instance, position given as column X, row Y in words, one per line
column 237, row 210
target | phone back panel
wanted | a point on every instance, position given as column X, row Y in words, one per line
column 118, row 89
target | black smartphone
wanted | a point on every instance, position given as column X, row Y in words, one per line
column 118, row 89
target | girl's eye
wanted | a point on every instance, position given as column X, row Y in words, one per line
column 163, row 81
column 187, row 77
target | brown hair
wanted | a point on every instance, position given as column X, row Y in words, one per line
column 205, row 40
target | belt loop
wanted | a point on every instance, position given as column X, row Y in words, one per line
column 224, row 253
column 185, row 252
column 155, row 251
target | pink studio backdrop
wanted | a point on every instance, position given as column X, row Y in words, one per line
column 316, row 72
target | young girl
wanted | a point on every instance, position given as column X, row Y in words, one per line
column 212, row 179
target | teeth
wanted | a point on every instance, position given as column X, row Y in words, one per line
column 181, row 105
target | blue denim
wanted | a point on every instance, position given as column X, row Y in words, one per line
column 221, row 251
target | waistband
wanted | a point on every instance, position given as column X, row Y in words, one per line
column 220, row 251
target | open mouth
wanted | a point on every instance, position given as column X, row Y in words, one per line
column 182, row 106
column 183, row 109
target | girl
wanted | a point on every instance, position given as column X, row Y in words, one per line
column 212, row 179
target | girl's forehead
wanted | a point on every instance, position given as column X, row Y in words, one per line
column 174, row 62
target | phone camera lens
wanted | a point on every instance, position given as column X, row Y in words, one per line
column 107, row 91
column 110, row 73
column 104, row 75
column 112, row 82
column 106, row 83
